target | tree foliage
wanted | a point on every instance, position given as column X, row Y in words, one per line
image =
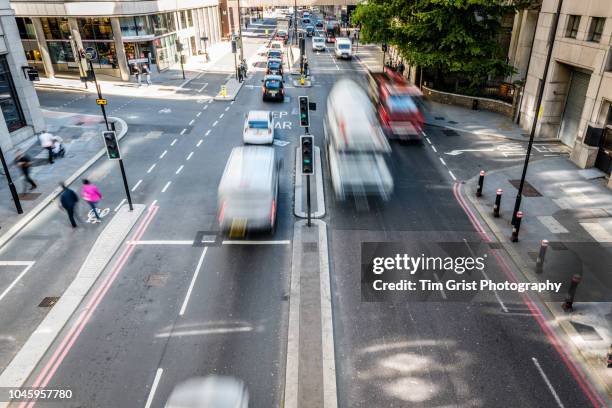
column 452, row 36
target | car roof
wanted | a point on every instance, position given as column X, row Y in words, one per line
column 259, row 114
column 249, row 168
column 275, row 60
column 277, row 77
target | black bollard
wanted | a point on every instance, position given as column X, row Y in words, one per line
column 497, row 205
column 480, row 183
column 571, row 293
column 541, row 256
column 516, row 227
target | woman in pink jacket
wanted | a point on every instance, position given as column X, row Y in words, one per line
column 92, row 195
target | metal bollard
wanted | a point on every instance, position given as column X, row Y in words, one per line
column 516, row 227
column 571, row 293
column 480, row 183
column 497, row 205
column 541, row 256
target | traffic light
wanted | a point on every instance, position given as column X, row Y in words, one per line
column 112, row 145
column 384, row 47
column 304, row 115
column 306, row 142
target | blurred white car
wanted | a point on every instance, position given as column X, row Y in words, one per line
column 209, row 392
column 276, row 45
column 318, row 44
column 258, row 128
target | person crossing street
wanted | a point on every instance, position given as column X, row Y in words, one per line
column 92, row 195
column 68, row 201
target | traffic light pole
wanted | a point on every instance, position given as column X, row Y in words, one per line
column 10, row 184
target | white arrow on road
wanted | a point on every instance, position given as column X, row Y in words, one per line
column 458, row 152
column 165, row 110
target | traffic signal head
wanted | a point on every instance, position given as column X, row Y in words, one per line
column 112, row 145
column 306, row 144
column 304, row 114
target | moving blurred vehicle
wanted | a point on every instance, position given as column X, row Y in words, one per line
column 319, row 23
column 275, row 54
column 305, row 21
column 310, row 30
column 343, row 48
column 209, row 392
column 399, row 105
column 274, row 66
column 273, row 88
column 276, row 45
column 355, row 144
column 318, row 44
column 258, row 128
column 248, row 191
column 332, row 29
column 281, row 35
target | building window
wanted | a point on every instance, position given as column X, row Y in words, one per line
column 55, row 28
column 107, row 57
column 163, row 23
column 31, row 50
column 183, row 15
column 60, row 52
column 9, row 102
column 137, row 25
column 26, row 28
column 596, row 29
column 573, row 22
column 189, row 18
column 95, row 28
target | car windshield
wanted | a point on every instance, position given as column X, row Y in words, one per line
column 344, row 46
column 401, row 103
column 318, row 40
column 272, row 83
column 274, row 54
column 258, row 124
column 273, row 64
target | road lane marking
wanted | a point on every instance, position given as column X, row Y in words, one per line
column 28, row 265
column 183, row 132
column 547, row 381
column 207, row 132
column 120, row 204
column 198, row 114
column 442, row 160
column 201, row 332
column 173, row 142
column 151, row 168
column 221, row 116
column 434, row 148
column 199, row 143
column 440, row 282
column 232, row 102
column 452, row 175
column 166, row 186
column 193, row 281
column 179, row 169
column 160, row 242
column 281, row 242
column 191, row 122
column 158, row 375
column 136, row 185
column 501, row 303
column 205, row 107
column 203, row 87
column 215, row 124
column 163, row 154
column 428, row 141
column 189, row 157
column 153, row 203
column 226, row 109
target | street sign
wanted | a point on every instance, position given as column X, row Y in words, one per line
column 112, row 145
column 91, row 53
column 101, row 101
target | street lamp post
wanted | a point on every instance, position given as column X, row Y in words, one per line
column 10, row 183
column 538, row 107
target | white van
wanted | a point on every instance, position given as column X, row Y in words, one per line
column 343, row 48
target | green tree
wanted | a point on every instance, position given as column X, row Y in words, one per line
column 456, row 37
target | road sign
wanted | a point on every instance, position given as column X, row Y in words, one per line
column 101, row 101
column 112, row 145
column 91, row 53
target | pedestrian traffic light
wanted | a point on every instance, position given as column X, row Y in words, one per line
column 112, row 145
column 304, row 114
column 306, row 143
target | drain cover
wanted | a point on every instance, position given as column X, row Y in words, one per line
column 450, row 132
column 49, row 301
column 439, row 118
column 452, row 122
column 528, row 189
column 28, row 196
column 156, row 280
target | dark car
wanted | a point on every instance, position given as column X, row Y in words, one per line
column 273, row 88
column 319, row 24
column 274, row 67
column 310, row 30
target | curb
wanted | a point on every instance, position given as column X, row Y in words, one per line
column 61, row 87
column 229, row 97
column 521, row 267
column 515, row 138
column 14, row 230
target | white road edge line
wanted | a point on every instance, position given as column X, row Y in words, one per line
column 136, row 185
column 215, row 123
column 434, row 148
column 199, row 143
column 452, row 175
column 231, row 242
column 166, row 186
column 193, row 281
column 428, row 141
column 205, row 107
column 160, row 242
column 207, row 132
column 158, row 375
column 501, row 303
column 120, row 204
column 232, row 102
column 439, row 281
column 227, row 108
column 153, row 203
column 221, row 115
column 183, row 132
column 173, row 142
column 198, row 114
column 189, row 156
column 442, row 160
column 27, row 264
column 547, row 381
column 191, row 122
column 163, row 154
column 179, row 169
column 151, row 168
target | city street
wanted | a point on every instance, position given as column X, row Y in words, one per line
column 179, row 299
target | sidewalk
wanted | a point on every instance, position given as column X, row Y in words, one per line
column 83, row 143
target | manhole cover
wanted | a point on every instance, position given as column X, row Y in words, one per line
column 439, row 118
column 452, row 122
column 558, row 246
column 450, row 132
column 49, row 301
column 588, row 333
column 310, row 246
column 495, row 245
column 528, row 189
column 28, row 196
column 156, row 280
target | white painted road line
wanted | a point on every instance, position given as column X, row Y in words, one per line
column 207, row 132
column 226, row 109
column 440, row 282
column 179, row 169
column 215, row 124
column 282, row 242
column 434, row 148
column 203, row 87
column 120, row 204
column 189, row 156
column 442, row 160
column 428, row 141
column 452, row 175
column 173, row 142
column 547, row 381
column 153, row 203
column 27, row 264
column 232, row 102
column 193, row 281
column 151, row 168
column 199, row 143
column 183, row 132
column 166, row 186
column 191, row 122
column 205, row 107
column 221, row 116
column 160, row 242
column 158, row 375
column 163, row 154
column 136, row 185
column 198, row 114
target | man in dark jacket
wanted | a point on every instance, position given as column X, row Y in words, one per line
column 68, row 200
column 24, row 162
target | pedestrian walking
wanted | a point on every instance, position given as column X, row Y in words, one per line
column 305, row 66
column 68, row 201
column 136, row 72
column 24, row 162
column 47, row 141
column 147, row 73
column 401, row 68
column 92, row 195
column 240, row 74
